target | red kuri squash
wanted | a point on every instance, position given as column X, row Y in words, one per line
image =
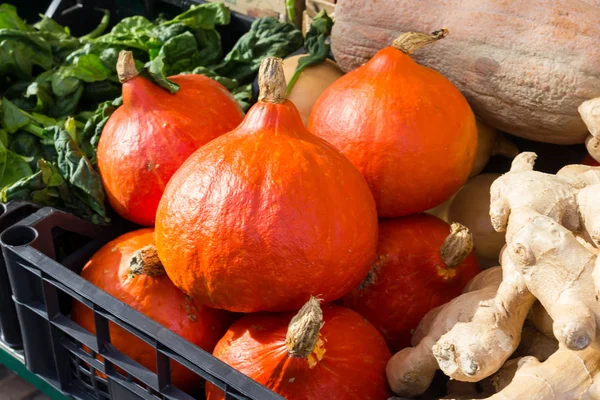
column 263, row 217
column 406, row 127
column 419, row 267
column 154, row 132
column 128, row 269
column 332, row 353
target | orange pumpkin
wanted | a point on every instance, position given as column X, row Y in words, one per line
column 148, row 138
column 421, row 264
column 317, row 354
column 128, row 269
column 406, row 127
column 263, row 217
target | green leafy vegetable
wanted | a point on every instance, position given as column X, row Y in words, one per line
column 290, row 6
column 155, row 70
column 315, row 44
column 13, row 118
column 20, row 51
column 267, row 37
column 78, row 171
column 58, row 91
column 9, row 19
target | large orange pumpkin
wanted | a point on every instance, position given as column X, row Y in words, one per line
column 421, row 264
column 154, row 132
column 406, row 127
column 332, row 353
column 263, row 217
column 128, row 269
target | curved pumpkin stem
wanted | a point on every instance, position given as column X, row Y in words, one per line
column 145, row 261
column 126, row 69
column 271, row 80
column 411, row 41
column 303, row 330
column 457, row 246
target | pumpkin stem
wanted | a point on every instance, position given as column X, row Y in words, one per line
column 303, row 330
column 271, row 80
column 126, row 69
column 457, row 246
column 409, row 42
column 145, row 261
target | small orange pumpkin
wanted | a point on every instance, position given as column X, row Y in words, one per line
column 329, row 353
column 422, row 263
column 268, row 214
column 128, row 269
column 406, row 127
column 148, row 138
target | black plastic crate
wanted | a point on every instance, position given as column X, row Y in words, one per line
column 45, row 280
column 10, row 331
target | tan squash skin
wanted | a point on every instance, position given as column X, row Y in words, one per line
column 311, row 83
column 524, row 66
column 470, row 207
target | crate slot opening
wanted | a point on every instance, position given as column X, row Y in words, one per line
column 19, row 235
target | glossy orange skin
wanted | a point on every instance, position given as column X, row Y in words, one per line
column 406, row 127
column 352, row 366
column 157, row 298
column 409, row 278
column 265, row 216
column 148, row 138
column 589, row 160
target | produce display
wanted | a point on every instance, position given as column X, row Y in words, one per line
column 363, row 227
column 425, row 261
column 412, row 133
column 268, row 214
column 148, row 138
column 315, row 354
column 524, row 67
column 128, row 268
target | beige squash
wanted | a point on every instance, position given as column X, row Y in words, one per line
column 311, row 83
column 524, row 66
column 470, row 207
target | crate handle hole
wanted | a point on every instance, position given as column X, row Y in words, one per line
column 19, row 235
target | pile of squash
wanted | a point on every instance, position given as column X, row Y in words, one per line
column 303, row 242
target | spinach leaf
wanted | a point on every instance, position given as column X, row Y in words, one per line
column 49, row 25
column 155, row 71
column 205, row 16
column 42, row 92
column 78, row 171
column 93, row 128
column 13, row 118
column 315, row 44
column 45, row 187
column 9, row 19
column 20, row 51
column 267, row 37
column 243, row 94
column 13, row 166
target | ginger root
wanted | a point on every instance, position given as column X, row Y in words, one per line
column 564, row 375
column 472, row 351
column 557, row 269
column 410, row 371
column 523, row 187
column 590, row 114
